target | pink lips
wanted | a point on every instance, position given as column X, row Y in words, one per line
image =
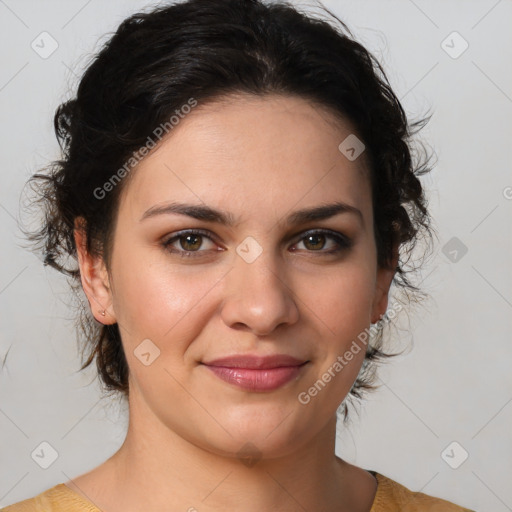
column 257, row 373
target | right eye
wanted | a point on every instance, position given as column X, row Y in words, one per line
column 187, row 243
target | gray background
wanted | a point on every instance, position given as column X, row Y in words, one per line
column 454, row 384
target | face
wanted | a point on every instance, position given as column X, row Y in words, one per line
column 230, row 313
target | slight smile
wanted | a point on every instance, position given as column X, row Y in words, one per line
column 257, row 373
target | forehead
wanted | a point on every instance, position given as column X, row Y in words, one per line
column 248, row 155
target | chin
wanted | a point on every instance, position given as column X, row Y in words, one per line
column 261, row 431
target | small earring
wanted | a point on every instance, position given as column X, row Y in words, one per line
column 102, row 312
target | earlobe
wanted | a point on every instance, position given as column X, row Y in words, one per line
column 380, row 303
column 384, row 279
column 94, row 277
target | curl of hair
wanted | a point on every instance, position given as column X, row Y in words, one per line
column 211, row 49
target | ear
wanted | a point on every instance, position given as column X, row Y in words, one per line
column 383, row 283
column 94, row 277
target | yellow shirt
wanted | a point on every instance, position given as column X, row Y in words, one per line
column 390, row 497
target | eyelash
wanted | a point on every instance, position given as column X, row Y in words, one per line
column 342, row 241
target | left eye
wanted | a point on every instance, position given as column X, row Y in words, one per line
column 313, row 239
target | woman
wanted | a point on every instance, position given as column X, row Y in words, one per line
column 238, row 191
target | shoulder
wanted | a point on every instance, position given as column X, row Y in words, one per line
column 59, row 498
column 393, row 497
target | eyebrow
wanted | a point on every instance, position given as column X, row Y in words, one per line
column 208, row 214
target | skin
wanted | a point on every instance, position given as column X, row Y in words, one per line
column 259, row 158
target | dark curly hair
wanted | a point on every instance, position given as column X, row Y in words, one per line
column 208, row 49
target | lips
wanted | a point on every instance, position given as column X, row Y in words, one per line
column 256, row 362
column 257, row 373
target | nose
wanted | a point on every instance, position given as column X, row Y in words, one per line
column 257, row 297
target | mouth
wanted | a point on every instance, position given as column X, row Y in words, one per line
column 257, row 373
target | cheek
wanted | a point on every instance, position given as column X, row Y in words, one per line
column 343, row 311
column 341, row 300
column 156, row 299
column 160, row 301
column 172, row 303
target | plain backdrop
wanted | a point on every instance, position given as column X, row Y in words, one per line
column 441, row 421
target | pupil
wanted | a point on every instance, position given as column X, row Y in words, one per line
column 315, row 237
column 193, row 237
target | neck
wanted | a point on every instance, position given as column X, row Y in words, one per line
column 155, row 469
